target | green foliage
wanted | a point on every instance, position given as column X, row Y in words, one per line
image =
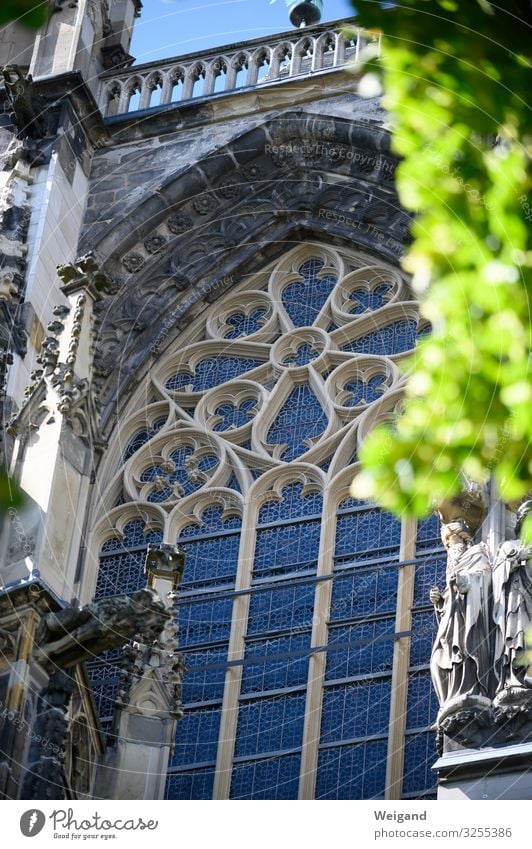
column 29, row 13
column 10, row 494
column 455, row 79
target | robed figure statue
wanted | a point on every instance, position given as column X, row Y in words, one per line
column 461, row 662
column 512, row 611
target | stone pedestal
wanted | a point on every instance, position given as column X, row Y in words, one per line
column 491, row 773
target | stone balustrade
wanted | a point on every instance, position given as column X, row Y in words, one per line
column 226, row 69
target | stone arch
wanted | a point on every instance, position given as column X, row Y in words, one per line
column 186, row 240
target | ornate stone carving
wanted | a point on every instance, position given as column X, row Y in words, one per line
column 154, row 244
column 29, row 110
column 85, row 273
column 46, row 777
column 133, row 262
column 178, row 224
column 77, row 634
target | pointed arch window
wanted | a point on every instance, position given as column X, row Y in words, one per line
column 244, row 455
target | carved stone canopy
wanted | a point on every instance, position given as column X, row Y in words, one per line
column 166, row 562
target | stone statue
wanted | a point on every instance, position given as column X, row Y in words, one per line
column 512, row 615
column 461, row 664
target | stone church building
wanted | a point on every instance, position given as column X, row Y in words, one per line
column 203, row 314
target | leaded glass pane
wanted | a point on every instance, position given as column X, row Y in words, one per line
column 299, row 421
column 420, row 755
column 205, row 621
column 196, row 738
column 287, row 548
column 211, row 372
column 370, row 593
column 281, row 609
column 393, row 339
column 270, row 778
column 192, row 784
column 205, row 676
column 287, row 667
column 270, row 725
column 357, row 649
column 355, row 710
column 352, row 772
column 303, row 299
column 422, row 702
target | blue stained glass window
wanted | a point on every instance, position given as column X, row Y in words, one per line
column 135, row 534
column 270, row 778
column 356, row 596
column 121, row 573
column 355, row 710
column 233, row 484
column 428, row 533
column 205, row 622
column 364, row 392
column 212, row 560
column 303, row 299
column 287, row 548
column 193, row 784
column 424, row 627
column 422, row 702
column 270, row 725
column 392, row 339
column 372, row 530
column 203, row 681
column 188, row 475
column 352, row 772
column 303, row 356
column 289, row 670
column 280, row 609
column 196, row 738
column 300, row 419
column 420, row 755
column 234, row 416
column 104, row 674
column 244, row 325
column 291, row 505
column 370, row 653
column 364, row 301
column 428, row 575
column 212, row 520
column 141, row 437
column 211, row 372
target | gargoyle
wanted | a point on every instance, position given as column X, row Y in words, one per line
column 73, row 635
column 28, row 109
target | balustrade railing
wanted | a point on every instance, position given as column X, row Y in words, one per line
column 252, row 63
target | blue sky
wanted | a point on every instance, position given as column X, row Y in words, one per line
column 173, row 27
